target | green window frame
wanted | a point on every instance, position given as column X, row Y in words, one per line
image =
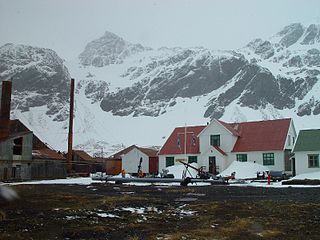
column 192, row 159
column 268, row 159
column 313, row 160
column 169, row 161
column 242, row 157
column 215, row 140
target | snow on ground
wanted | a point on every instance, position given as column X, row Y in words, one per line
column 244, row 170
column 79, row 181
column 312, row 176
column 177, row 170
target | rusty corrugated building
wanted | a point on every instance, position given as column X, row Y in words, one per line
column 23, row 156
column 83, row 164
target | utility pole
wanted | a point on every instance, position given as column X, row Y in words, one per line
column 70, row 135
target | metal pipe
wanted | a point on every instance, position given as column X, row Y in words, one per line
column 70, row 135
column 161, row 180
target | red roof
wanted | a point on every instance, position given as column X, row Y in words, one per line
column 220, row 150
column 266, row 135
column 233, row 128
column 175, row 143
column 261, row 135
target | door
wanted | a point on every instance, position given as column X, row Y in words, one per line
column 153, row 165
column 293, row 160
column 5, row 174
column 212, row 165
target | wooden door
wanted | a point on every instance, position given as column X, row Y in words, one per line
column 153, row 165
column 212, row 165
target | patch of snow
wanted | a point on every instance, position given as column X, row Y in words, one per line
column 107, row 215
column 244, row 170
column 73, row 217
column 78, row 181
column 311, row 176
column 187, row 213
column 177, row 170
column 134, row 210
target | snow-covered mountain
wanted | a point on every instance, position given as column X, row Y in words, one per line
column 130, row 94
column 109, row 49
column 39, row 79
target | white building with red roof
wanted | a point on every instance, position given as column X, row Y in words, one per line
column 216, row 145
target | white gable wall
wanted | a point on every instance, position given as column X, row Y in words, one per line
column 162, row 159
column 291, row 137
column 130, row 161
column 227, row 139
column 221, row 160
column 301, row 161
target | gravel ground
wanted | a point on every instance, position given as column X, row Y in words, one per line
column 109, row 211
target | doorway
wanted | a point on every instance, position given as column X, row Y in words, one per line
column 293, row 161
column 212, row 165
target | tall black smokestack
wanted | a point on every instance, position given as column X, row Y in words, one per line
column 70, row 135
column 5, row 109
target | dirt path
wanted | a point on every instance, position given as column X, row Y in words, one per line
column 107, row 211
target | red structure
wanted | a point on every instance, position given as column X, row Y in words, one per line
column 5, row 109
column 69, row 168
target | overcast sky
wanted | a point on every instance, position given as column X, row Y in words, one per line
column 67, row 25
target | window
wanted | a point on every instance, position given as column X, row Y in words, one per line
column 192, row 159
column 215, row 140
column 13, row 172
column 289, row 140
column 169, row 161
column 17, row 146
column 268, row 158
column 313, row 160
column 242, row 157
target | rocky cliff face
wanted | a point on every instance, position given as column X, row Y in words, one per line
column 108, row 49
column 278, row 71
column 39, row 78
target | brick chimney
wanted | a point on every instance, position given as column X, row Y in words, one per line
column 5, row 109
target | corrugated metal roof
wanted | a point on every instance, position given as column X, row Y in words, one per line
column 308, row 140
column 83, row 155
column 267, row 135
column 47, row 153
column 119, row 154
column 15, row 135
column 150, row 152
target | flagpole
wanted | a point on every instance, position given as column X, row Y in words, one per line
column 185, row 141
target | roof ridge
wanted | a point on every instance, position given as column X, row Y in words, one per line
column 256, row 121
